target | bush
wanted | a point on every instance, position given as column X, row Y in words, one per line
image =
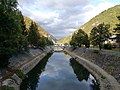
column 108, row 46
column 73, row 48
column 20, row 74
column 6, row 88
column 96, row 51
column 4, row 60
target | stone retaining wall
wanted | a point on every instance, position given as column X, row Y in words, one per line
column 24, row 62
column 86, row 57
column 108, row 62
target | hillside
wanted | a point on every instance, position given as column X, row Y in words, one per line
column 65, row 40
column 41, row 30
column 107, row 16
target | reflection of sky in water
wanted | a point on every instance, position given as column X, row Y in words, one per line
column 59, row 75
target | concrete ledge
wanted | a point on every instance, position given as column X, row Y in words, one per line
column 30, row 65
column 106, row 81
column 25, row 66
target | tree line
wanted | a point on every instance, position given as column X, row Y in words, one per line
column 98, row 35
column 14, row 37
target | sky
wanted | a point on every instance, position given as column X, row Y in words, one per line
column 62, row 17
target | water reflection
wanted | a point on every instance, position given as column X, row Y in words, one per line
column 59, row 74
column 83, row 74
column 30, row 82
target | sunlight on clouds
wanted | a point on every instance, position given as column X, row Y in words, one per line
column 61, row 4
column 38, row 15
column 92, row 11
column 61, row 17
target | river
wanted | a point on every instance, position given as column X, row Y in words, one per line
column 59, row 71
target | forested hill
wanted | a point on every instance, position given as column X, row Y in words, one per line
column 28, row 22
column 19, row 33
column 42, row 32
column 107, row 16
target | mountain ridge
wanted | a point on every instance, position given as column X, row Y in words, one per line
column 42, row 31
column 108, row 16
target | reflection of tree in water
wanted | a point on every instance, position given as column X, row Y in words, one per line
column 79, row 70
column 65, row 53
column 30, row 82
column 95, row 86
column 83, row 74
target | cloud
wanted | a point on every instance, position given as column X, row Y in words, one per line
column 62, row 17
column 61, row 4
column 92, row 11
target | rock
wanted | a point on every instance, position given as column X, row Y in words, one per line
column 8, row 82
column 16, row 79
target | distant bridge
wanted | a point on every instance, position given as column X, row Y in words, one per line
column 57, row 48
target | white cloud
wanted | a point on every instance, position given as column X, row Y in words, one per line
column 61, row 4
column 92, row 10
column 62, row 17
column 47, row 17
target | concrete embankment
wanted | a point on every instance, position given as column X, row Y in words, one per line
column 20, row 65
column 84, row 57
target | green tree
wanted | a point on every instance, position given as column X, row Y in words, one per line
column 23, row 41
column 80, row 38
column 43, row 41
column 99, row 34
column 11, row 38
column 49, row 42
column 35, row 39
column 117, row 29
column 73, row 41
column 33, row 35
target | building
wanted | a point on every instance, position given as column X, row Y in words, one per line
column 114, row 40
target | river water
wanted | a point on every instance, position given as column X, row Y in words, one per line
column 59, row 71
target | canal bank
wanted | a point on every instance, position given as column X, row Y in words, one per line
column 19, row 66
column 106, row 81
column 59, row 72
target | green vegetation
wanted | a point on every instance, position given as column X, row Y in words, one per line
column 99, row 34
column 35, row 39
column 28, row 23
column 65, row 40
column 16, row 32
column 96, row 51
column 20, row 74
column 107, row 17
column 37, row 36
column 6, row 88
column 117, row 29
column 33, row 35
column 107, row 46
column 80, row 38
column 11, row 27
